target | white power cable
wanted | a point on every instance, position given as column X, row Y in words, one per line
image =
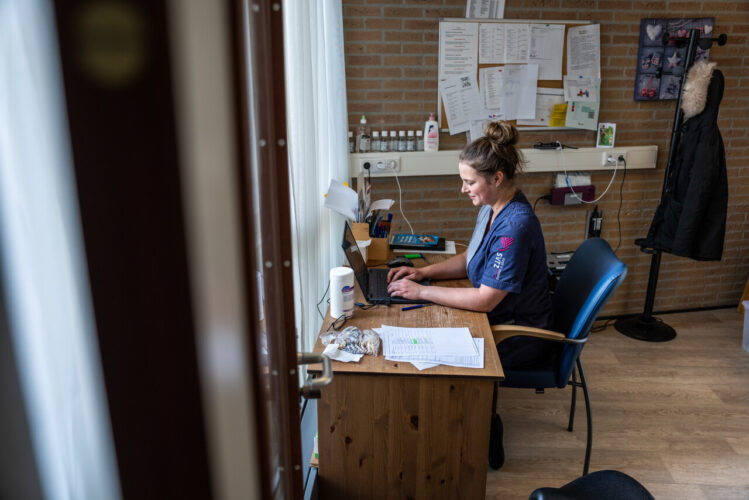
column 400, row 202
column 567, row 181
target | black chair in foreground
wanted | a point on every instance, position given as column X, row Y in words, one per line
column 602, row 484
column 589, row 279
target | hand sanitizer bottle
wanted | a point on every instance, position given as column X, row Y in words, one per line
column 363, row 136
column 431, row 134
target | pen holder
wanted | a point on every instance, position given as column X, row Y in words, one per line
column 378, row 249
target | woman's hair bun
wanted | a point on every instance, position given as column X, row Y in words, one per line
column 502, row 133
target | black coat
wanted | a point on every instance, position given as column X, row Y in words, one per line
column 691, row 218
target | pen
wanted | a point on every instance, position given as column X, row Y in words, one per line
column 408, row 308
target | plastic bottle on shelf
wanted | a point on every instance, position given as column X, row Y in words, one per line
column 410, row 141
column 375, row 141
column 431, row 134
column 401, row 140
column 351, row 144
column 419, row 140
column 393, row 146
column 363, row 136
column 384, row 144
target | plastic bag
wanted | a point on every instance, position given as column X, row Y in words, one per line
column 353, row 340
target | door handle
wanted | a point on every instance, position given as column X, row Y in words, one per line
column 312, row 390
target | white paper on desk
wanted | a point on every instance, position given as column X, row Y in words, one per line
column 422, row 344
column 383, row 204
column 342, row 199
column 518, row 95
column 584, row 50
column 485, row 9
column 546, row 99
column 460, row 97
column 333, row 352
column 547, row 50
column 458, row 361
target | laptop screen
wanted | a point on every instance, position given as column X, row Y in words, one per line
column 355, row 259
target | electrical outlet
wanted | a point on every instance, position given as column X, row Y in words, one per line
column 608, row 159
column 380, row 165
column 621, row 154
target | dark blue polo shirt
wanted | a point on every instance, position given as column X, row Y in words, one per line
column 511, row 256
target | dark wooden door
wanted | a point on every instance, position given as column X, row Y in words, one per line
column 124, row 127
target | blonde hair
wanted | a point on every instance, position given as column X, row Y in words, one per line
column 495, row 152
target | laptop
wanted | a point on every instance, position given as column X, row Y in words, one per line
column 373, row 282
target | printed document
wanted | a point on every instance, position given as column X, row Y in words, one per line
column 517, row 41
column 519, row 91
column 584, row 51
column 546, row 99
column 426, row 344
column 491, row 43
column 461, row 361
column 584, row 114
column 485, row 9
column 460, row 96
column 458, row 49
column 547, row 50
column 580, row 88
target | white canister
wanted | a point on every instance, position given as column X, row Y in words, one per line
column 341, row 292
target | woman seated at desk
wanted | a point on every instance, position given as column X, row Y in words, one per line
column 506, row 258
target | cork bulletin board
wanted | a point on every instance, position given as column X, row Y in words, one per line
column 552, row 84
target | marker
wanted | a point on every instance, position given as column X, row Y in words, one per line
column 413, row 256
column 408, row 308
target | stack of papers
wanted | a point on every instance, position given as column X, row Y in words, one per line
column 428, row 347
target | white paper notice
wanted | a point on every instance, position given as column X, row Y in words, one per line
column 458, row 49
column 547, row 50
column 342, row 199
column 485, row 9
column 491, row 86
column 460, row 97
column 491, row 43
column 517, row 41
column 519, row 84
column 546, row 99
column 584, row 51
column 580, row 89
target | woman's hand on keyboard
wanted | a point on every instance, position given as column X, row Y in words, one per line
column 404, row 272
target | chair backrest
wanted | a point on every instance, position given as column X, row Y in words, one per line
column 586, row 284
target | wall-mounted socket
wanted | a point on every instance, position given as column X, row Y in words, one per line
column 608, row 159
column 611, row 157
column 380, row 165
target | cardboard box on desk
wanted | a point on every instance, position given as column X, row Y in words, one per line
column 378, row 249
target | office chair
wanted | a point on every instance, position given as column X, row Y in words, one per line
column 608, row 484
column 589, row 279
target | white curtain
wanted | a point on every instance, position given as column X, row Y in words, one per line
column 318, row 149
column 42, row 266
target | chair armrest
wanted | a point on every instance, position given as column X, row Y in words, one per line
column 502, row 332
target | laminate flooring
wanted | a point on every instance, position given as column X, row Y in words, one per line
column 673, row 415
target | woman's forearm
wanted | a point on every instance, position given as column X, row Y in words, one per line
column 482, row 299
column 452, row 268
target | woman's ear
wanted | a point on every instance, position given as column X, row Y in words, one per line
column 498, row 178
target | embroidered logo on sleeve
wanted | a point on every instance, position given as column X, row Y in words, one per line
column 499, row 258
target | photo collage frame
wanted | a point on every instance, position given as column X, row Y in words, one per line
column 655, row 78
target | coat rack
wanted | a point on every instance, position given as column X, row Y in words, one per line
column 645, row 326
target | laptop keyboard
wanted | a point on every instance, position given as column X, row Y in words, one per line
column 378, row 283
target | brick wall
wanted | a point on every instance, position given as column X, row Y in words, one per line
column 391, row 51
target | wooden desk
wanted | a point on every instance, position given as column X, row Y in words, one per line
column 388, row 430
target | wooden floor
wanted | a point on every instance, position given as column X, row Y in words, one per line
column 673, row 415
